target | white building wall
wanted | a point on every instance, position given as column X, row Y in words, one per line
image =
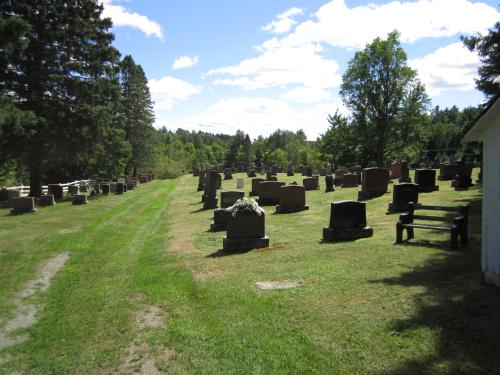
column 491, row 204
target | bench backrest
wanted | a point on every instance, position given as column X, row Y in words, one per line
column 462, row 210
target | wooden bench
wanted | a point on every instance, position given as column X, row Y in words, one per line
column 456, row 225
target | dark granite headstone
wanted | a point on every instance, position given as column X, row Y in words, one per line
column 255, row 186
column 311, row 183
column 56, row 190
column 402, row 194
column 251, row 173
column 269, row 192
column 79, row 199
column 221, row 216
column 105, row 188
column 120, row 188
column 405, row 172
column 329, row 183
column 210, row 198
column 74, row 189
column 292, row 198
column 447, row 171
column 22, row 205
column 47, row 200
column 373, row 183
column 228, row 174
column 350, row 180
column 347, row 222
column 463, row 178
column 244, row 232
column 339, row 175
column 396, row 170
column 201, row 181
column 426, row 179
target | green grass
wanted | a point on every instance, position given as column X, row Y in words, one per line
column 366, row 306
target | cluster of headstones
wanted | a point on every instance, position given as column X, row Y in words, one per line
column 78, row 192
column 347, row 218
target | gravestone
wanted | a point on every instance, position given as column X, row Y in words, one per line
column 196, row 172
column 201, row 181
column 347, row 222
column 84, row 187
column 289, row 171
column 251, row 173
column 245, row 232
column 426, row 179
column 255, row 186
column 309, row 171
column 120, row 188
column 402, row 194
column 339, row 175
column 463, row 178
column 274, row 169
column 74, row 189
column 373, row 183
column 4, row 195
column 22, row 205
column 322, row 172
column 357, row 169
column 329, row 183
column 228, row 174
column 47, row 200
column 292, row 198
column 396, row 170
column 221, row 216
column 269, row 192
column 56, row 190
column 11, row 195
column 311, row 183
column 350, row 180
column 105, row 188
column 219, row 180
column 405, row 172
column 240, row 183
column 143, row 178
column 112, row 187
column 210, row 200
column 271, row 177
column 447, row 171
column 80, row 199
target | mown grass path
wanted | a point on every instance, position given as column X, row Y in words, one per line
column 367, row 306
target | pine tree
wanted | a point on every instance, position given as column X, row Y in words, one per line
column 66, row 75
column 137, row 108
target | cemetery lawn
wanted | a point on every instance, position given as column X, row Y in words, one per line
column 147, row 288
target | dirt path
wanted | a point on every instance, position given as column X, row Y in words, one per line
column 25, row 311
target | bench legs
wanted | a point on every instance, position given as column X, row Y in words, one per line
column 400, row 227
column 454, row 237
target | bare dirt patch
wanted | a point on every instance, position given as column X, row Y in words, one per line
column 25, row 311
column 138, row 358
column 277, row 285
column 181, row 245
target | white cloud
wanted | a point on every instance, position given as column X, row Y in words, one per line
column 452, row 67
column 260, row 116
column 184, row 62
column 306, row 95
column 168, row 91
column 278, row 66
column 283, row 22
column 122, row 17
column 338, row 25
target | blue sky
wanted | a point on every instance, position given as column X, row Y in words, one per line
column 260, row 65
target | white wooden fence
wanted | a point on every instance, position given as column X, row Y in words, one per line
column 26, row 189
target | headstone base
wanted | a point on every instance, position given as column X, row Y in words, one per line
column 17, row 211
column 239, row 244
column 462, row 184
column 349, row 185
column 289, row 209
column 329, row 190
column 228, row 178
column 405, row 180
column 79, row 199
column 363, row 195
column 312, row 188
column 345, row 234
column 210, row 203
column 47, row 200
column 289, row 174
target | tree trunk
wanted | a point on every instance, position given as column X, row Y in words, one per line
column 380, row 149
column 35, row 180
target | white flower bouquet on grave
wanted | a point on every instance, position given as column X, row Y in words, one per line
column 245, row 206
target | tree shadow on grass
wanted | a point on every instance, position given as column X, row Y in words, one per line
column 456, row 304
